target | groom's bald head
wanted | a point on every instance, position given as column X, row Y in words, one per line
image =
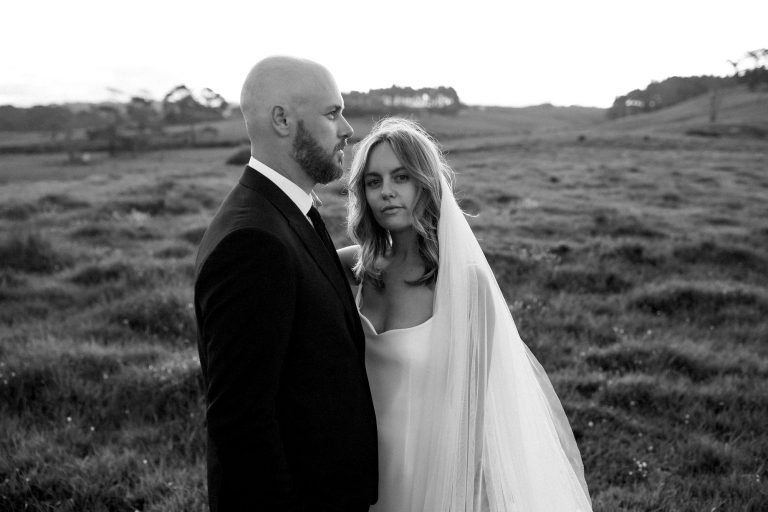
column 288, row 83
column 293, row 113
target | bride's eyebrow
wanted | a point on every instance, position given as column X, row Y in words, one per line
column 392, row 171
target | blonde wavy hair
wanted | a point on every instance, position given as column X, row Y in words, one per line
column 421, row 156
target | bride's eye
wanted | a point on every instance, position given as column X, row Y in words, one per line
column 402, row 178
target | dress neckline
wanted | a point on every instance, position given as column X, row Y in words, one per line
column 359, row 296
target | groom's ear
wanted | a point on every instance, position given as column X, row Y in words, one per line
column 280, row 121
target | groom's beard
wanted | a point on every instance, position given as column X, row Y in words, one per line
column 319, row 165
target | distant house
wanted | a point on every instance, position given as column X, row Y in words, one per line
column 423, row 100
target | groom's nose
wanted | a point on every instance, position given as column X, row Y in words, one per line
column 346, row 130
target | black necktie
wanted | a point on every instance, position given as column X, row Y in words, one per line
column 322, row 232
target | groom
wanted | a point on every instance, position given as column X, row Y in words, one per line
column 290, row 420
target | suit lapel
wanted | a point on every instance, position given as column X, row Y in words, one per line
column 327, row 263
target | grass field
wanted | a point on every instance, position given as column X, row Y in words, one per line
column 635, row 264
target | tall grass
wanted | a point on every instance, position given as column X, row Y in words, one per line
column 650, row 319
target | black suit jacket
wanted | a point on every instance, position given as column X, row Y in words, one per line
column 289, row 413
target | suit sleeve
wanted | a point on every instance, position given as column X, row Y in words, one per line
column 247, row 300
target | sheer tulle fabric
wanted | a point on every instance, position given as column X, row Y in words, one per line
column 493, row 434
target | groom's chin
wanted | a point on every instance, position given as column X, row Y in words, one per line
column 333, row 174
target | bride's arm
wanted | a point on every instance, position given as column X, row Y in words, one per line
column 349, row 256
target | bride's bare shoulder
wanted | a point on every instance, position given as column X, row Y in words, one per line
column 349, row 256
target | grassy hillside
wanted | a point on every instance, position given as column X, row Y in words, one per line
column 636, row 269
column 470, row 122
column 739, row 107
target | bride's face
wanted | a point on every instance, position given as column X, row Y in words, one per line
column 390, row 190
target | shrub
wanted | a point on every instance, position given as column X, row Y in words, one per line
column 175, row 251
column 632, row 253
column 698, row 459
column 106, row 234
column 62, row 202
column 708, row 303
column 617, row 226
column 200, row 196
column 577, row 280
column 18, row 211
column 29, row 252
column 240, row 157
column 709, row 252
column 636, row 358
column 162, row 315
column 194, row 235
column 91, row 275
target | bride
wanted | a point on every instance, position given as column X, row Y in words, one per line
column 467, row 418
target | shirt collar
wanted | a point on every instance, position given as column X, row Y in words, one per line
column 302, row 200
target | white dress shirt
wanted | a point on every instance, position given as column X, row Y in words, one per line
column 300, row 198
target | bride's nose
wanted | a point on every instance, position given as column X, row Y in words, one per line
column 387, row 192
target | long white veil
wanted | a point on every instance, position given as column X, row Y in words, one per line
column 496, row 437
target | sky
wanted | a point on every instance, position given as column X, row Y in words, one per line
column 510, row 53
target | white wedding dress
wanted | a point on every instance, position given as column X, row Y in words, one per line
column 396, row 362
column 467, row 418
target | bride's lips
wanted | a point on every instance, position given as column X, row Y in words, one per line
column 390, row 208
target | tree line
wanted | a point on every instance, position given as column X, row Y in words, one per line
column 749, row 70
column 180, row 105
column 399, row 100
column 183, row 106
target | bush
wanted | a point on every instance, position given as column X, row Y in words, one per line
column 194, row 235
column 632, row 253
column 62, row 202
column 240, row 157
column 105, row 234
column 576, row 280
column 92, row 275
column 616, row 226
column 161, row 315
column 704, row 458
column 28, row 252
column 709, row 252
column 709, row 304
column 636, row 358
column 18, row 211
column 175, row 251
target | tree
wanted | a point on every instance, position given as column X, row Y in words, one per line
column 142, row 114
column 182, row 106
column 50, row 118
